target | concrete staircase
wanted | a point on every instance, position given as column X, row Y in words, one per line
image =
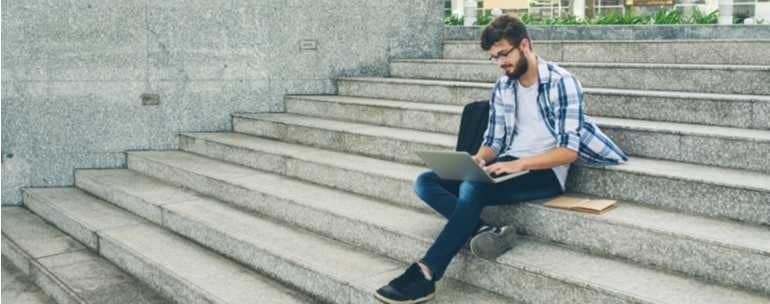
column 315, row 204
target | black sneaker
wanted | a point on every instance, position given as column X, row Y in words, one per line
column 491, row 242
column 411, row 287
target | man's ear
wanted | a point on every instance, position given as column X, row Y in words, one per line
column 525, row 44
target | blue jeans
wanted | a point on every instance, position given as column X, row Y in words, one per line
column 461, row 203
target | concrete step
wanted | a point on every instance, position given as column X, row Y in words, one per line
column 405, row 235
column 19, row 288
column 723, row 79
column 623, row 32
column 708, row 145
column 64, row 269
column 332, row 271
column 632, row 231
column 384, row 180
column 632, row 51
column 409, row 115
column 742, row 111
column 154, row 255
column 702, row 190
column 377, row 141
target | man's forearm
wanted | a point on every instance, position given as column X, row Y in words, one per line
column 549, row 159
column 486, row 153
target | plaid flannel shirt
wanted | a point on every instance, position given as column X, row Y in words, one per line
column 561, row 104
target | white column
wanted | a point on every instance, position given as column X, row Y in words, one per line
column 762, row 11
column 725, row 11
column 579, row 8
column 457, row 7
column 470, row 12
column 687, row 8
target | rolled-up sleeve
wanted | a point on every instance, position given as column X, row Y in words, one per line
column 493, row 136
column 569, row 112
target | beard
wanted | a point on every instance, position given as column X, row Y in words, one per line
column 521, row 67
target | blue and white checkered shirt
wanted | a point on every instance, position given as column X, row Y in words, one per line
column 561, row 104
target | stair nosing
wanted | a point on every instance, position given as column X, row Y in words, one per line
column 591, row 90
column 647, row 41
column 721, row 67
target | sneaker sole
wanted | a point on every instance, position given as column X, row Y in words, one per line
column 489, row 245
column 416, row 301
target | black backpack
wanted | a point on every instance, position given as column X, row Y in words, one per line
column 472, row 126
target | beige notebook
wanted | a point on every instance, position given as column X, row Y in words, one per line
column 581, row 204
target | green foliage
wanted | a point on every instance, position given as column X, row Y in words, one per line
column 526, row 18
column 668, row 17
column 617, row 18
column 484, row 19
column 699, row 18
column 453, row 20
column 663, row 16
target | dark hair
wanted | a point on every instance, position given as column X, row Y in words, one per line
column 504, row 27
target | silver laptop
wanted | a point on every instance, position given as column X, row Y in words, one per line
column 461, row 166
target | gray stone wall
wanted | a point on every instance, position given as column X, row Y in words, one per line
column 73, row 72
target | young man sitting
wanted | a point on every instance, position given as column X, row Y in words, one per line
column 536, row 123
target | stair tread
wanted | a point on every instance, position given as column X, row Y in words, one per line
column 338, row 159
column 357, row 128
column 18, row 288
column 390, row 103
column 604, row 64
column 678, row 41
column 73, row 273
column 606, row 91
column 552, row 260
column 214, row 274
column 35, row 236
column 648, row 125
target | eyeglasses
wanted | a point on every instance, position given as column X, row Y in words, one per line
column 501, row 55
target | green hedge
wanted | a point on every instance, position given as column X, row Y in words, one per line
column 663, row 16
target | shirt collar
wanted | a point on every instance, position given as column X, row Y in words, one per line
column 543, row 74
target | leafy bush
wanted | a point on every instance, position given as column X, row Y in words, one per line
column 699, row 18
column 484, row 19
column 453, row 20
column 617, row 18
column 667, row 17
column 663, row 16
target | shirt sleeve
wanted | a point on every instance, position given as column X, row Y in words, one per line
column 569, row 112
column 493, row 136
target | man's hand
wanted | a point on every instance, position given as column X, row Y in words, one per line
column 505, row 167
column 480, row 161
column 483, row 155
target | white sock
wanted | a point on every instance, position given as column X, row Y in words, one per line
column 426, row 274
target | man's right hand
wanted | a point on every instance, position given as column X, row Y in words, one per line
column 480, row 161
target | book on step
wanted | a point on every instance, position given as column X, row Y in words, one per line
column 597, row 206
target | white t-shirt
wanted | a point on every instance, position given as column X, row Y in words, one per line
column 532, row 135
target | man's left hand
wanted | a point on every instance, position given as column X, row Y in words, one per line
column 505, row 167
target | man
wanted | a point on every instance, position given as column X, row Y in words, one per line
column 536, row 123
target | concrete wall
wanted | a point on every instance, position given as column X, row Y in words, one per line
column 73, row 71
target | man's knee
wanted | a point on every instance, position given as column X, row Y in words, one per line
column 472, row 193
column 424, row 180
